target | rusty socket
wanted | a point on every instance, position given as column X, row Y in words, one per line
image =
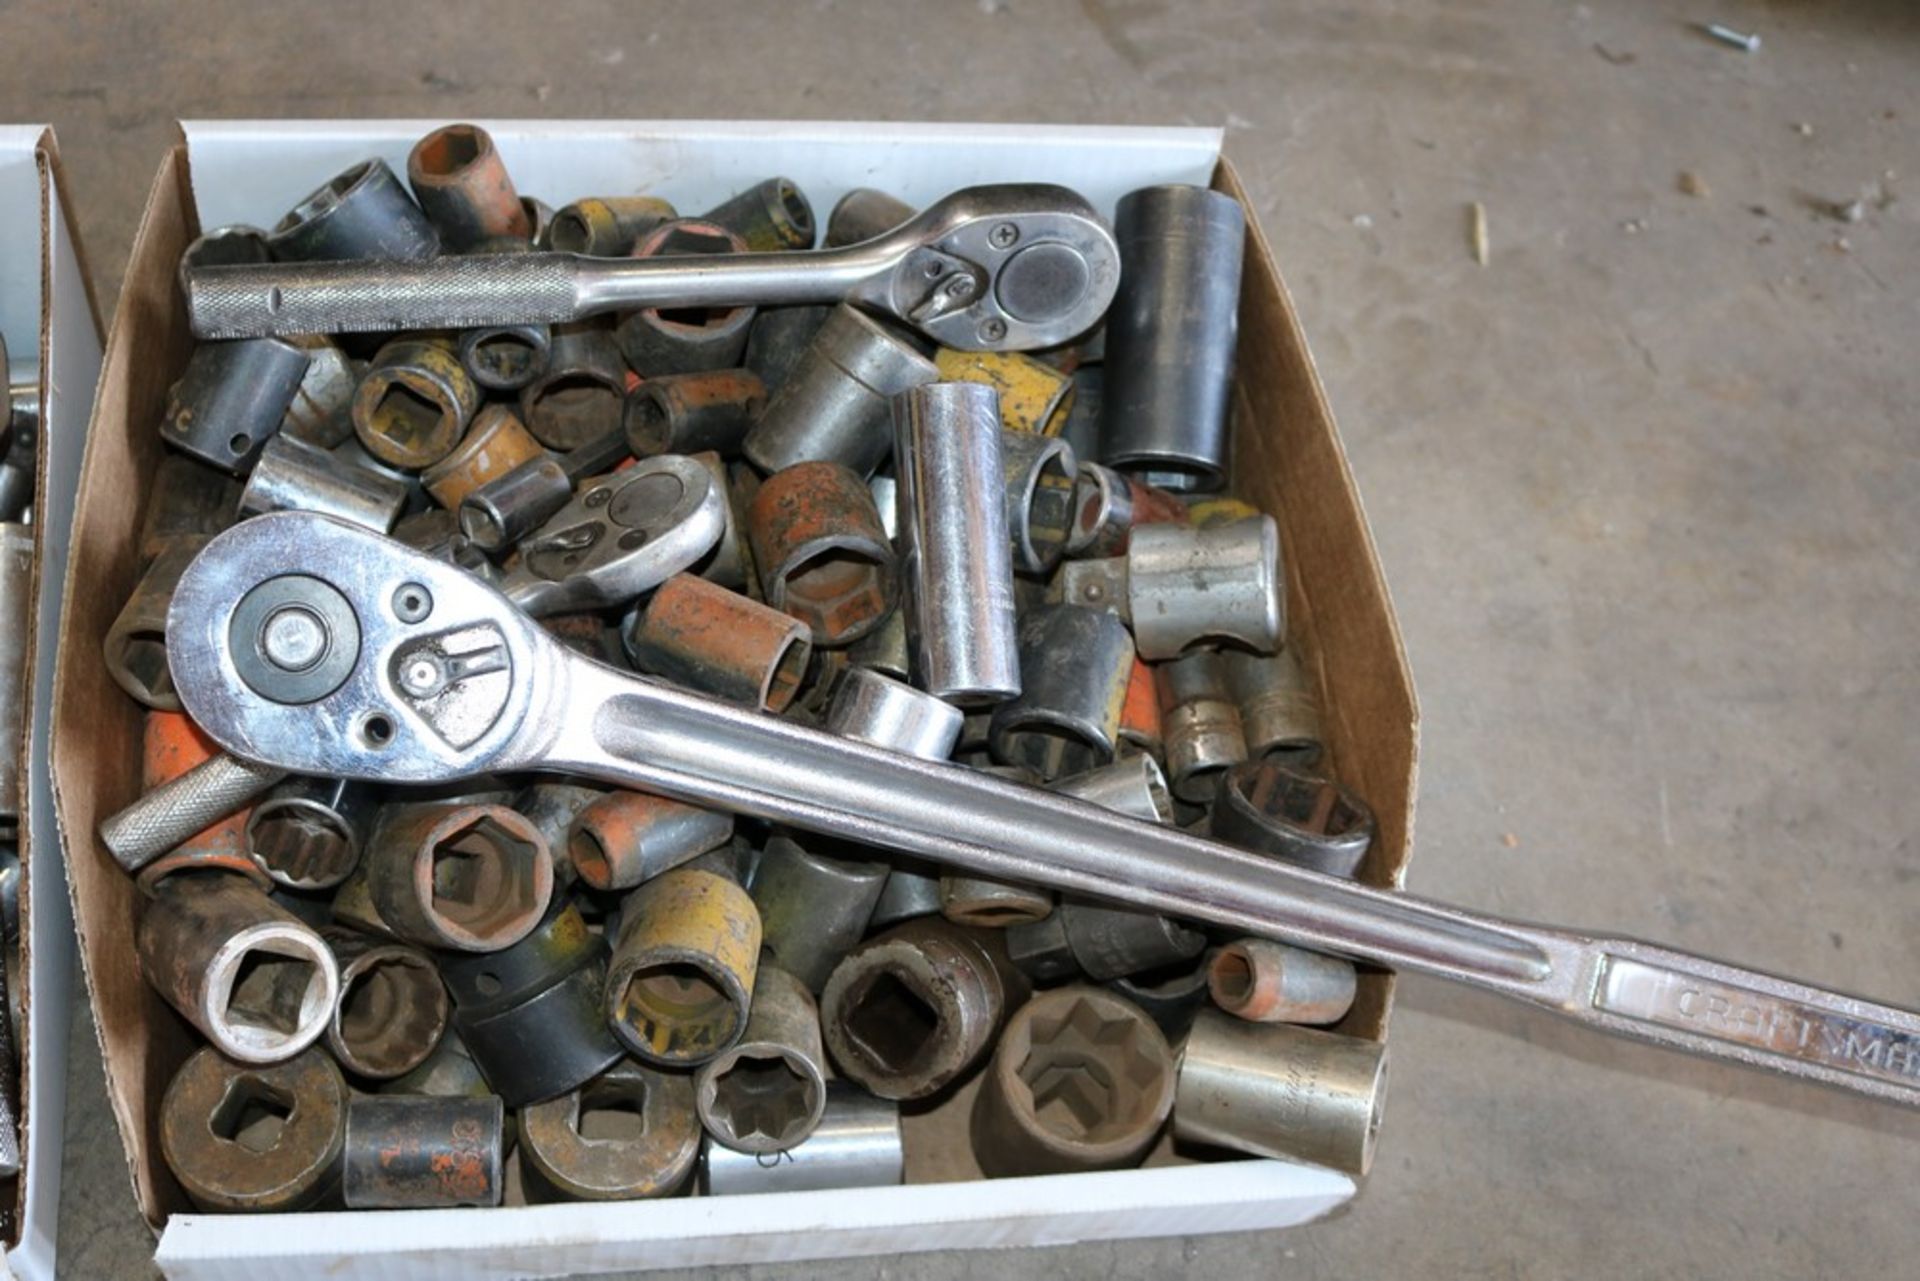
column 494, row 445
column 247, row 1138
column 813, row 908
column 1266, row 982
column 414, row 402
column 579, row 397
column 706, row 638
column 1081, row 1080
column 506, row 357
column 464, row 189
column 909, row 1012
column 681, row 340
column 821, row 552
column 188, row 502
column 1201, row 724
column 392, row 1009
column 769, row 216
column 606, row 226
column 679, row 985
column 629, row 1134
column 767, row 1092
column 419, row 1152
column 471, row 878
column 624, row 838
column 692, row 412
column 990, row 904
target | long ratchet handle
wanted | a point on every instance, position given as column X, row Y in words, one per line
column 650, row 736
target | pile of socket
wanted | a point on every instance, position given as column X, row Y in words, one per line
column 19, row 455
column 1016, row 561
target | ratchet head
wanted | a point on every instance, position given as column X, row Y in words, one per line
column 1010, row 267
column 368, row 660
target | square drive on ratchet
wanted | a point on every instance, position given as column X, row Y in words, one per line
column 411, row 670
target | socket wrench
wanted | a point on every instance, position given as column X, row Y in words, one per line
column 520, row 701
column 1008, row 267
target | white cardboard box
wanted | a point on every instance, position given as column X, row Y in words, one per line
column 53, row 337
column 251, row 172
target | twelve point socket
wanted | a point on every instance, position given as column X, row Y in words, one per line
column 463, row 188
column 414, row 402
column 1039, row 498
column 415, row 1152
column 813, row 909
column 291, row 475
column 769, row 216
column 821, row 552
column 580, row 395
column 258, row 982
column 856, row 1145
column 1266, row 982
column 1277, row 1090
column 692, row 412
column 1298, row 817
column 835, row 405
column 911, row 1011
column 392, row 1009
column 309, row 833
column 231, row 398
column 1201, row 724
column 1081, row 1080
column 624, row 838
column 506, row 357
column 244, row 1138
column 470, row 878
column 767, row 1091
column 679, row 983
column 1277, row 707
column 682, row 340
column 955, row 541
column 533, row 1018
column 588, row 1144
column 360, row 213
column 494, row 445
column 1170, row 995
column 703, row 637
column 1074, row 666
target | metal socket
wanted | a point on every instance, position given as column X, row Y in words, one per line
column 250, row 1139
column 821, row 552
column 912, row 889
column 1132, row 785
column 1201, row 724
column 1277, row 1090
column 533, row 1017
column 417, row 1152
column 862, row 214
column 624, row 838
column 1188, row 585
column 470, row 878
column 1074, row 668
column 769, row 216
column 1039, row 498
column 505, row 510
column 1266, row 982
column 257, row 981
column 814, row 908
column 856, row 1145
column 606, row 226
column 909, row 1012
column 779, row 337
column 681, row 340
column 494, row 445
column 551, row 807
column 706, row 638
column 308, row 833
column 232, row 397
column 1140, row 725
column 627, row 1135
column 836, row 404
column 885, row 712
column 414, row 402
column 1278, row 709
column 1033, row 396
column 188, row 502
column 506, row 357
column 679, row 984
column 691, row 412
column 1081, row 1080
column 1102, row 512
column 1295, row 816
column 292, row 475
column 1110, row 942
column 322, row 410
column 1170, row 995
column 989, row 904
column 392, row 1008
column 1171, row 334
column 582, row 393
column 955, row 541
column 361, row 212
column 136, row 644
column 767, row 1092
column 464, row 189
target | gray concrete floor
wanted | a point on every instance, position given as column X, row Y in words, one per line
column 1643, row 485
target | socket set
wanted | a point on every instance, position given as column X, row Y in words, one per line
column 637, row 701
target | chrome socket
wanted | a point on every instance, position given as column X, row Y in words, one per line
column 835, row 405
column 1039, row 498
column 1278, row 709
column 855, row 1145
column 506, row 357
column 1201, row 724
column 1187, row 585
column 882, row 711
column 1266, row 982
column 291, row 475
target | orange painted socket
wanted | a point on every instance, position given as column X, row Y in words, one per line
column 821, row 551
column 690, row 413
column 463, row 187
column 1140, row 712
column 625, row 838
column 1155, row 506
column 706, row 638
column 494, row 445
column 171, row 746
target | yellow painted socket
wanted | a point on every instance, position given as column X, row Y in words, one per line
column 494, row 445
column 682, row 974
column 1033, row 397
column 1209, row 512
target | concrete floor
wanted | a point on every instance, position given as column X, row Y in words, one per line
column 1643, row 485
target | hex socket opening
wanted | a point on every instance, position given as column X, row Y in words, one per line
column 143, row 659
column 789, row 669
column 252, row 1113
column 798, row 212
column 482, row 879
column 447, row 151
column 323, row 198
column 505, row 357
column 683, row 240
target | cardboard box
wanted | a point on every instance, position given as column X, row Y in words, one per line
column 52, row 331
column 1289, row 460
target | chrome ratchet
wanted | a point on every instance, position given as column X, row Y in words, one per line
column 445, row 679
column 1001, row 268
